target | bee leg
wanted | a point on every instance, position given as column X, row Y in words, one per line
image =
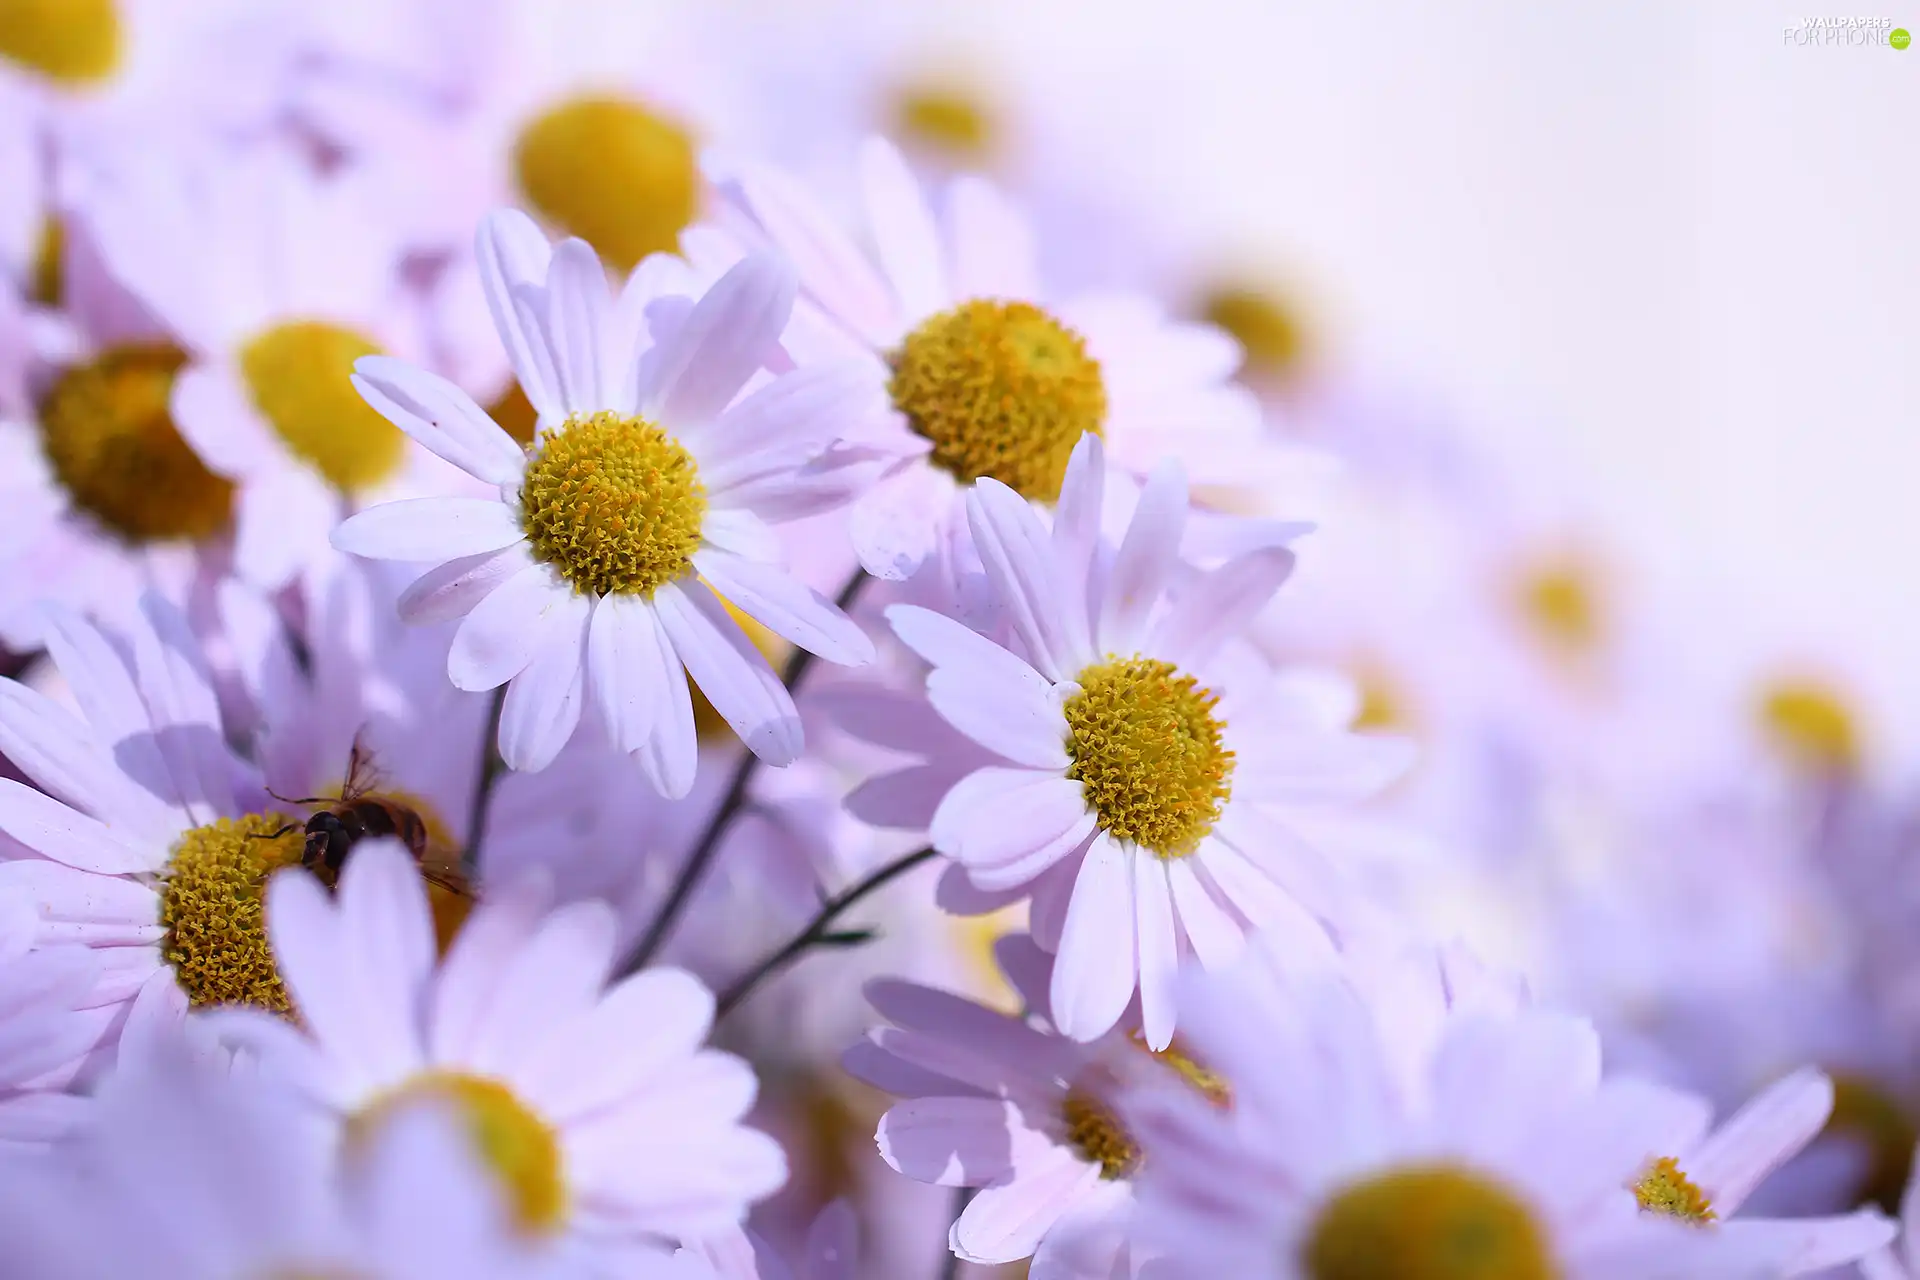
column 274, row 835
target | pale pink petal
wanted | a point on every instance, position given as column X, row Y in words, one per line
column 543, row 702
column 671, row 757
column 385, row 932
column 213, row 413
column 993, row 246
column 424, row 529
column 46, row 826
column 483, row 950
column 947, row 644
column 730, row 671
column 1220, row 605
column 648, row 1021
column 440, row 416
column 48, row 745
column 787, row 607
column 1076, row 517
column 1759, row 1138
column 452, row 590
column 177, row 688
column 503, row 632
column 956, row 1142
column 281, row 521
column 1145, row 564
column 308, row 947
column 513, row 253
column 1094, row 975
column 997, row 1035
column 555, row 976
column 903, row 230
column 1007, row 1223
column 576, row 319
column 1013, row 721
column 733, row 331
column 1215, row 936
column 1813, row 1246
column 903, row 801
column 1159, row 948
column 788, row 422
column 623, row 676
column 1017, row 553
column 1025, row 833
column 896, row 525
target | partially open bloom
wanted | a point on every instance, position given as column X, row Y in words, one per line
column 599, row 571
column 1128, row 768
column 605, row 1122
column 987, row 378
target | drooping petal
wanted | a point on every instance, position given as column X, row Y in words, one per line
column 730, row 671
column 1095, row 972
column 544, row 702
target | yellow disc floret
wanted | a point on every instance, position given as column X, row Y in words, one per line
column 1095, row 1132
column 612, row 172
column 1427, row 1222
column 1002, row 389
column 1146, row 746
column 109, row 437
column 298, row 375
column 75, row 41
column 947, row 118
column 614, row 504
column 214, row 915
column 1809, row 722
column 1267, row 329
column 1666, row 1189
column 1560, row 602
column 520, row 1148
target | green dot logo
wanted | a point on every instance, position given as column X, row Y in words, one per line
column 1899, row 38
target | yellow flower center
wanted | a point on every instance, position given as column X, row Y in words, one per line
column 1427, row 1222
column 614, row 504
column 1864, row 1111
column 1095, row 1132
column 1210, row 1084
column 1665, row 1189
column 1808, row 721
column 47, row 283
column 297, row 374
column 76, row 41
column 1268, row 330
column 1561, row 603
column 109, row 437
column 947, row 118
column 211, row 906
column 612, row 172
column 520, row 1148
column 1002, row 389
column 1147, row 748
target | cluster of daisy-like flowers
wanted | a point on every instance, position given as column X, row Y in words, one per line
column 541, row 611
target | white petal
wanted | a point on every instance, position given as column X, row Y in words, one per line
column 733, row 331
column 576, row 324
column 1159, row 954
column 281, row 522
column 451, row 590
column 429, row 529
column 730, row 671
column 1213, row 933
column 623, row 673
column 789, row 421
column 178, row 689
column 993, row 246
column 1017, row 553
column 1219, row 606
column 945, row 643
column 1016, row 721
column 46, row 826
column 440, row 416
column 1094, row 975
column 787, row 607
column 501, row 634
column 671, row 757
column 896, row 525
column 903, row 230
column 1759, row 1138
column 544, row 701
column 1148, row 555
column 512, row 253
column 214, row 415
column 1076, row 517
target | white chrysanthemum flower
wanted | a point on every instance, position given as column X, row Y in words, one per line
column 149, row 838
column 605, row 1121
column 185, row 1171
column 1702, row 1177
column 276, row 279
column 1117, row 768
column 987, row 377
column 648, row 497
column 1496, row 1149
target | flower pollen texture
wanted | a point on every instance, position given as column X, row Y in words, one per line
column 607, row 169
column 1096, row 1134
column 298, row 375
column 1002, row 389
column 520, row 1148
column 1147, row 748
column 73, row 41
column 109, row 436
column 1665, row 1189
column 1429, row 1222
column 614, row 504
column 212, row 908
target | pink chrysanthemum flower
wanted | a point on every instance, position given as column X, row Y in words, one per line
column 1123, row 764
column 649, row 495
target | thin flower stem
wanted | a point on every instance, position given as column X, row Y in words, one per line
column 731, row 804
column 491, row 766
column 818, row 930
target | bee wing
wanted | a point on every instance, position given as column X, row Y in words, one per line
column 441, row 866
column 363, row 775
